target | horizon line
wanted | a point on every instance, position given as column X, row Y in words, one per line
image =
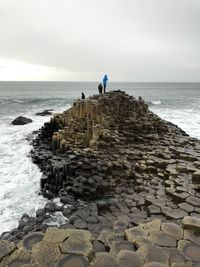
column 109, row 81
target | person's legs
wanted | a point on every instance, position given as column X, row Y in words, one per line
column 104, row 87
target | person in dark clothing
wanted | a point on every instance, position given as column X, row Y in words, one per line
column 105, row 79
column 82, row 96
column 100, row 88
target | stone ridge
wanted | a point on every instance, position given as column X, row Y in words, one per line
column 136, row 169
column 154, row 244
column 104, row 120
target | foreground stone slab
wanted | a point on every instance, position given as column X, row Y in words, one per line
column 155, row 264
column 31, row 239
column 190, row 250
column 45, row 253
column 17, row 258
column 55, row 235
column 129, row 258
column 151, row 253
column 6, row 247
column 191, row 223
column 117, row 246
column 135, row 232
column 76, row 244
column 162, row 239
column 172, row 229
column 72, row 261
column 104, row 259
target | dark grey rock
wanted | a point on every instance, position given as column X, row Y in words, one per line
column 21, row 121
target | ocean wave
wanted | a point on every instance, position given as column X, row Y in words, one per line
column 20, row 178
column 157, row 102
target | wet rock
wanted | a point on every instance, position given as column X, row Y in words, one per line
column 187, row 207
column 41, row 250
column 104, row 259
column 46, row 112
column 162, row 239
column 80, row 224
column 172, row 229
column 196, row 177
column 151, row 253
column 194, row 201
column 17, row 258
column 190, row 250
column 31, row 239
column 134, row 232
column 117, row 246
column 21, row 121
column 78, row 243
column 98, row 246
column 72, row 261
column 129, row 258
column 6, row 247
column 56, row 235
column 192, row 223
column 155, row 264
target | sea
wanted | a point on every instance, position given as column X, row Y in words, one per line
column 178, row 103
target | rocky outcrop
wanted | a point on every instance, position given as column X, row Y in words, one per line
column 115, row 167
column 21, row 121
column 46, row 112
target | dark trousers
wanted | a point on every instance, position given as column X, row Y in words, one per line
column 104, row 87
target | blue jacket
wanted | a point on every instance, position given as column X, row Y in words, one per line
column 105, row 79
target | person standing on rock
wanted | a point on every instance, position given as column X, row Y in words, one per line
column 100, row 88
column 82, row 96
column 105, row 79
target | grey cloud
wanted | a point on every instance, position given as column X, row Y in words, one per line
column 133, row 40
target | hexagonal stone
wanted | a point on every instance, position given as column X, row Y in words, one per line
column 162, row 239
column 134, row 232
column 129, row 258
column 104, row 259
column 196, row 177
column 186, row 264
column 190, row 250
column 174, row 255
column 151, row 226
column 98, row 246
column 187, row 207
column 31, row 239
column 42, row 249
column 80, row 224
column 142, row 241
column 194, row 201
column 72, row 261
column 30, row 265
column 152, row 209
column 56, row 235
column 192, row 223
column 117, row 246
column 172, row 229
column 176, row 214
column 192, row 235
column 76, row 244
column 152, row 253
column 6, row 247
column 155, row 264
column 107, row 236
column 17, row 258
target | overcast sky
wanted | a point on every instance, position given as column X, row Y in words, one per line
column 72, row 40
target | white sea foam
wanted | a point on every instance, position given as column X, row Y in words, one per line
column 187, row 119
column 19, row 177
column 158, row 102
